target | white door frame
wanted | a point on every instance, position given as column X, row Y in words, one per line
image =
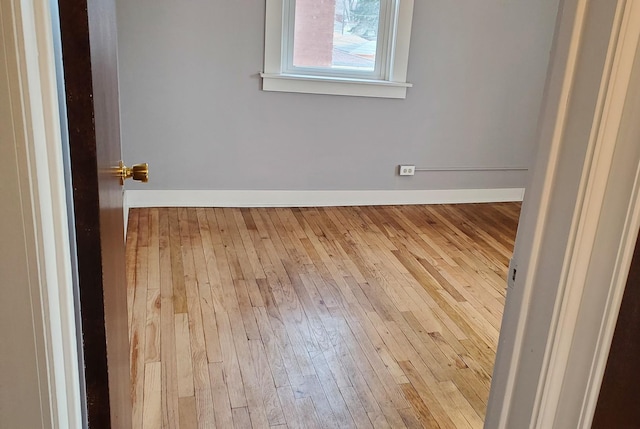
column 552, row 405
column 34, row 106
column 551, row 378
column 594, row 282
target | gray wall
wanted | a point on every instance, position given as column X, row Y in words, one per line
column 192, row 106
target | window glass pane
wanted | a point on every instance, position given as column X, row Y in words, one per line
column 336, row 34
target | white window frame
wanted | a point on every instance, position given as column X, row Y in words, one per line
column 389, row 79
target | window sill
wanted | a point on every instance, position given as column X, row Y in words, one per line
column 333, row 86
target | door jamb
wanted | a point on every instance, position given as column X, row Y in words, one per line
column 36, row 112
column 574, row 290
column 559, row 402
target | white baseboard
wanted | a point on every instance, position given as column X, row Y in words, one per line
column 141, row 198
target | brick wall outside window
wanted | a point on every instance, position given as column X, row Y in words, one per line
column 313, row 44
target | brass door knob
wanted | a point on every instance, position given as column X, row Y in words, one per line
column 139, row 172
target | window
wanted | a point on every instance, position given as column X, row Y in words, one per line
column 339, row 47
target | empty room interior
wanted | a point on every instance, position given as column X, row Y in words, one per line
column 318, row 250
column 337, row 213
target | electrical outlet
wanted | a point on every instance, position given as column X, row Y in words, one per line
column 407, row 170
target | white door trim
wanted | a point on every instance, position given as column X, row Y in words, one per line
column 605, row 223
column 35, row 110
column 587, row 217
column 612, row 307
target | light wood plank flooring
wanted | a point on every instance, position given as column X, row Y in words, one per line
column 318, row 318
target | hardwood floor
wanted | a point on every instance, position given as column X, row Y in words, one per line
column 317, row 318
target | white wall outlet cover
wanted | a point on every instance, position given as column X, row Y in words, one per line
column 407, row 170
